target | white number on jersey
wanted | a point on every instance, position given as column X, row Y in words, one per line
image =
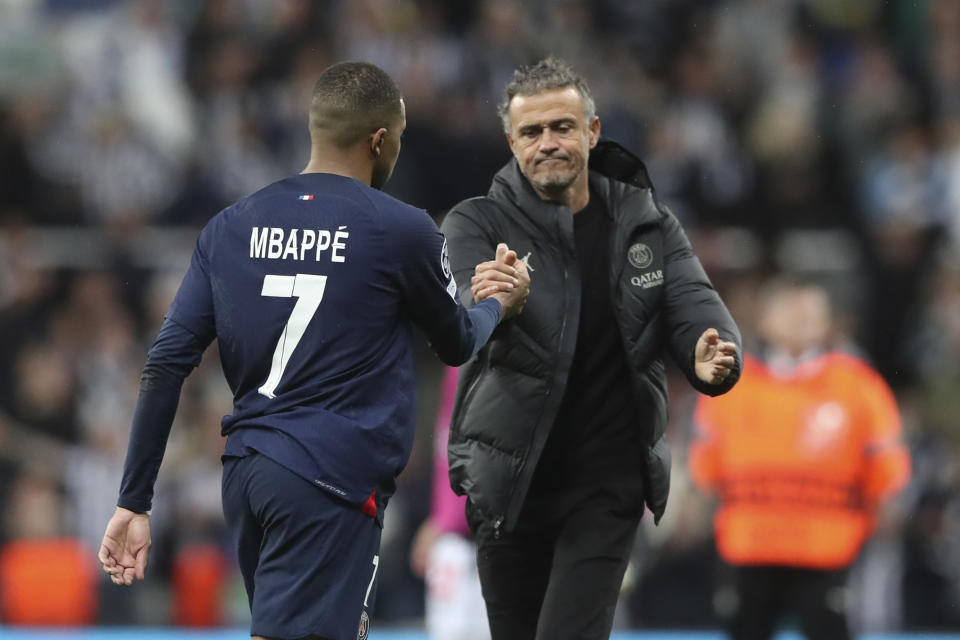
column 308, row 289
column 376, row 565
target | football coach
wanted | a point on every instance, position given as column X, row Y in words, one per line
column 557, row 436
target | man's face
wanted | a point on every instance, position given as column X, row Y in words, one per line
column 551, row 137
column 389, row 151
column 796, row 320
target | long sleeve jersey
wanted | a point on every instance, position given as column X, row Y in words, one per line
column 311, row 287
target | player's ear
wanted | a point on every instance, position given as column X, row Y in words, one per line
column 376, row 141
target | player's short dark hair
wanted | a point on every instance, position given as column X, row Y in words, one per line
column 548, row 74
column 351, row 100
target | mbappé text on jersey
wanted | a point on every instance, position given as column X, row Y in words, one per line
column 298, row 244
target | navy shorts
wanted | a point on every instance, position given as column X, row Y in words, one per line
column 309, row 560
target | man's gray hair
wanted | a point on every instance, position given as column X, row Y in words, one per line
column 546, row 75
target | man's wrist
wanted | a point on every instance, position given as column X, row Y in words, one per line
column 134, row 507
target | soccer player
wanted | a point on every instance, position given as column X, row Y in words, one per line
column 310, row 287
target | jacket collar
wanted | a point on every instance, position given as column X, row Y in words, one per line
column 615, row 173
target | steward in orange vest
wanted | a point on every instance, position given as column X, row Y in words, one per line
column 801, row 454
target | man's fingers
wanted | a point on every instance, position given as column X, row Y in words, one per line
column 481, row 285
column 726, row 362
column 522, row 270
column 105, row 556
column 487, row 292
column 497, row 276
column 501, row 252
column 727, row 348
column 492, row 266
column 140, row 566
column 487, row 288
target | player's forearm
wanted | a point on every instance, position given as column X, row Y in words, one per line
column 148, row 441
column 173, row 355
column 475, row 330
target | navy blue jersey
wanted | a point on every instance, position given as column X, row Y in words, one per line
column 311, row 286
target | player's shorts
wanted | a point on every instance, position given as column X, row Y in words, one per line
column 309, row 560
column 455, row 607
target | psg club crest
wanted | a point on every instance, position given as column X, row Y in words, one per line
column 640, row 256
column 365, row 621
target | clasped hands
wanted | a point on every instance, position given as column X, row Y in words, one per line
column 505, row 278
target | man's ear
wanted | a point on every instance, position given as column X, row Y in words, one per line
column 594, row 131
column 376, row 141
column 509, row 140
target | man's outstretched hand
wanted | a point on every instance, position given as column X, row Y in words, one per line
column 714, row 358
column 505, row 278
column 125, row 546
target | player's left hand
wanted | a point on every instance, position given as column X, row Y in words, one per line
column 126, row 546
column 714, row 358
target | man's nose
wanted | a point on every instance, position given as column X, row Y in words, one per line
column 548, row 141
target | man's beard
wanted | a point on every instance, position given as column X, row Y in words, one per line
column 556, row 182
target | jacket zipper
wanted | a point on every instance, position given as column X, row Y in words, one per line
column 563, row 333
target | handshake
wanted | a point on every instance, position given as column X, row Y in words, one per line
column 505, row 278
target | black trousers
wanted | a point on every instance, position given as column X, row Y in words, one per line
column 769, row 595
column 557, row 576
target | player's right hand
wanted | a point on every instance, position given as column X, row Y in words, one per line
column 497, row 275
column 513, row 297
column 126, row 546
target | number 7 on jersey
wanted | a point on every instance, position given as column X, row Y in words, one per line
column 308, row 289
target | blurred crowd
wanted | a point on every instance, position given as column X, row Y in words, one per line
column 811, row 136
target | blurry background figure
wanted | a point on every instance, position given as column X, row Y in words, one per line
column 443, row 552
column 802, row 454
column 46, row 577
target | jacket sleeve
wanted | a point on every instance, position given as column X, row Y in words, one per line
column 692, row 306
column 470, row 242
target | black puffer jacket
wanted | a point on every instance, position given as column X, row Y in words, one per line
column 509, row 394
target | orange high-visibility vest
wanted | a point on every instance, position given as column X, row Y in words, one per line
column 48, row 582
column 799, row 462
